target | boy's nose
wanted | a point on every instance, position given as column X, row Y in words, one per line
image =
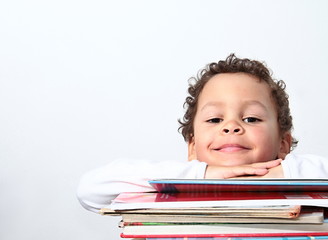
column 235, row 130
column 232, row 128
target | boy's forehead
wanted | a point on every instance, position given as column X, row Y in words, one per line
column 235, row 81
column 246, row 103
column 240, row 77
column 233, row 86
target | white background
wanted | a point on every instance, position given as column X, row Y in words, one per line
column 85, row 82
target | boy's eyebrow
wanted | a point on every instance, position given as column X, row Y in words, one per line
column 245, row 104
column 212, row 104
column 255, row 102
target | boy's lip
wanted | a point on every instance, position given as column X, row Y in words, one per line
column 231, row 148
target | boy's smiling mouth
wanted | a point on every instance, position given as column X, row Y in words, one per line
column 231, row 148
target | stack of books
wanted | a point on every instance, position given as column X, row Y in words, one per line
column 188, row 209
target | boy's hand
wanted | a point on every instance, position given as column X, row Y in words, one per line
column 275, row 172
column 270, row 169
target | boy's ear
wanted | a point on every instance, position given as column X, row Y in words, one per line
column 191, row 150
column 285, row 145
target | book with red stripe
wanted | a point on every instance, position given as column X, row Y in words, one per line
column 257, row 185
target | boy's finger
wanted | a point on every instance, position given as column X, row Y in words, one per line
column 246, row 171
column 269, row 164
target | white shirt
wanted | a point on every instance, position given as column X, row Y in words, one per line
column 305, row 166
column 99, row 186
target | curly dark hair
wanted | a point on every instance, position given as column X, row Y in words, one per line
column 232, row 64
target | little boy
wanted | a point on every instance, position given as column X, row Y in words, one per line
column 237, row 124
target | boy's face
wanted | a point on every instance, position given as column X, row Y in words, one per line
column 236, row 123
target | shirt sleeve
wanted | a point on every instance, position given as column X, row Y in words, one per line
column 99, row 186
column 305, row 166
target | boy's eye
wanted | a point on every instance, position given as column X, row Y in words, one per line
column 251, row 120
column 215, row 120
